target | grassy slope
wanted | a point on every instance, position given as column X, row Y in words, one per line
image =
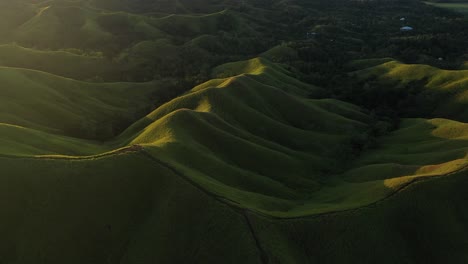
column 220, row 112
column 444, row 93
column 250, row 139
column 425, row 223
column 126, row 220
column 461, row 7
column 260, row 111
column 57, row 24
column 100, row 210
column 78, row 107
column 13, row 14
column 75, row 24
column 61, row 63
column 289, row 136
column 21, row 141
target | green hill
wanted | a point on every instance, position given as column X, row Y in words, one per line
column 63, row 63
column 64, row 106
column 237, row 162
column 429, row 91
column 213, row 131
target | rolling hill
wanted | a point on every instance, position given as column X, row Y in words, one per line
column 78, row 109
column 247, row 152
column 232, row 132
column 432, row 91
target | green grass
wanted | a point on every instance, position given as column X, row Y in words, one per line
column 61, row 63
column 443, row 92
column 45, row 214
column 214, row 169
column 251, row 166
column 76, row 24
column 189, row 125
column 21, row 141
column 260, row 111
column 456, row 7
column 59, row 105
column 366, row 63
column 423, row 224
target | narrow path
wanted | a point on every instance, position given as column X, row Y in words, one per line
column 262, row 253
column 118, row 151
column 166, row 165
column 237, row 208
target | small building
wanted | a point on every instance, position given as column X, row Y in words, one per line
column 406, row 28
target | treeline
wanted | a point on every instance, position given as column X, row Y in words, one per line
column 341, row 33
